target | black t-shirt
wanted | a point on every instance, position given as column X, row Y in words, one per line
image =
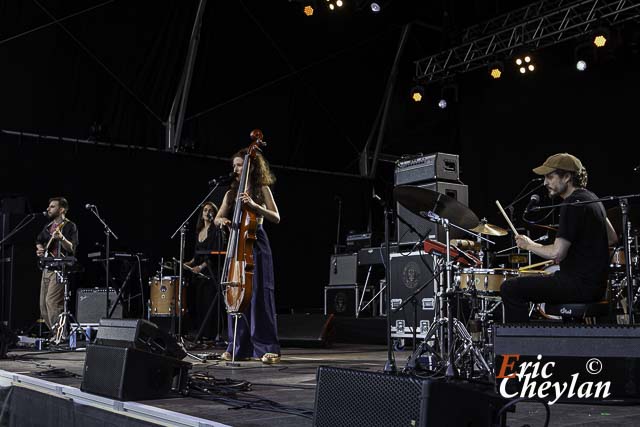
column 202, row 250
column 69, row 231
column 585, row 227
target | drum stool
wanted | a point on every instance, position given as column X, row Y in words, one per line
column 578, row 312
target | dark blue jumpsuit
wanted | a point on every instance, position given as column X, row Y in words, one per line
column 257, row 331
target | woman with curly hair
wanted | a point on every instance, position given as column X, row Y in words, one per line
column 256, row 335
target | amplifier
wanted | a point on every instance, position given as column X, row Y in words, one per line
column 358, row 241
column 430, row 167
column 91, row 304
column 343, row 269
column 568, row 363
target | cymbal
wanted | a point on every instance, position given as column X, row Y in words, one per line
column 490, row 229
column 553, row 227
column 421, row 200
column 615, row 217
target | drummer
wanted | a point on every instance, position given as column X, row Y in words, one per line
column 580, row 247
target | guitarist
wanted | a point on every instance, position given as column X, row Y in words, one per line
column 59, row 238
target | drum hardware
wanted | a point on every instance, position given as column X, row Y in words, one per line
column 445, row 211
column 182, row 229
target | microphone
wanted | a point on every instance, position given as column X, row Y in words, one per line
column 222, row 179
column 537, row 179
column 535, row 199
column 43, row 213
column 210, row 216
column 90, row 206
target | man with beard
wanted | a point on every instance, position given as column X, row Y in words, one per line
column 59, row 238
column 581, row 246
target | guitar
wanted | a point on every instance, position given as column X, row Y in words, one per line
column 47, row 254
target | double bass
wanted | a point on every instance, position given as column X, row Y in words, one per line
column 237, row 273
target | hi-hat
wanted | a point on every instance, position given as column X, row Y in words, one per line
column 490, row 229
column 422, row 200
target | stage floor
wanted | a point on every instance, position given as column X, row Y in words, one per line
column 292, row 384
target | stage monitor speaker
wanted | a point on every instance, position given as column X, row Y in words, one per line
column 123, row 373
column 459, row 192
column 587, row 359
column 305, row 330
column 138, row 334
column 352, row 398
column 91, row 305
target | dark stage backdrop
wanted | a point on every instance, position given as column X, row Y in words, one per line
column 144, row 197
column 317, row 118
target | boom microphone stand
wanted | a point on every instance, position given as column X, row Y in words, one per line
column 107, row 232
column 182, row 229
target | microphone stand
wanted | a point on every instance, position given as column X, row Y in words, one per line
column 623, row 201
column 182, row 229
column 107, row 232
column 390, row 365
column 20, row 226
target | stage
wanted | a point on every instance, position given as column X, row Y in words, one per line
column 289, row 386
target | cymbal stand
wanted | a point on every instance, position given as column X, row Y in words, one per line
column 452, row 325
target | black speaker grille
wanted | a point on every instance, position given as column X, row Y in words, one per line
column 359, row 398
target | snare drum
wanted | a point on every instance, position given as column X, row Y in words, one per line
column 486, row 281
column 164, row 296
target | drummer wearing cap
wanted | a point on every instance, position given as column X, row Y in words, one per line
column 580, row 247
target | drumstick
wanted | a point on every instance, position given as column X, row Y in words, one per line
column 539, row 264
column 506, row 217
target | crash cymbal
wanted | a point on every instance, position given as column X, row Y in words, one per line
column 490, row 229
column 422, row 200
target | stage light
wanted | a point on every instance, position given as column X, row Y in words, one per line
column 525, row 63
column 496, row 69
column 375, row 7
column 308, row 10
column 333, row 4
column 599, row 40
column 417, row 93
column 448, row 95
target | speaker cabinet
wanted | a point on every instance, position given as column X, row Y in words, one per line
column 123, row 373
column 343, row 269
column 459, row 192
column 138, row 334
column 352, row 398
column 91, row 304
column 305, row 330
column 587, row 359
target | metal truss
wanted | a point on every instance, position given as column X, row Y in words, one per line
column 541, row 24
